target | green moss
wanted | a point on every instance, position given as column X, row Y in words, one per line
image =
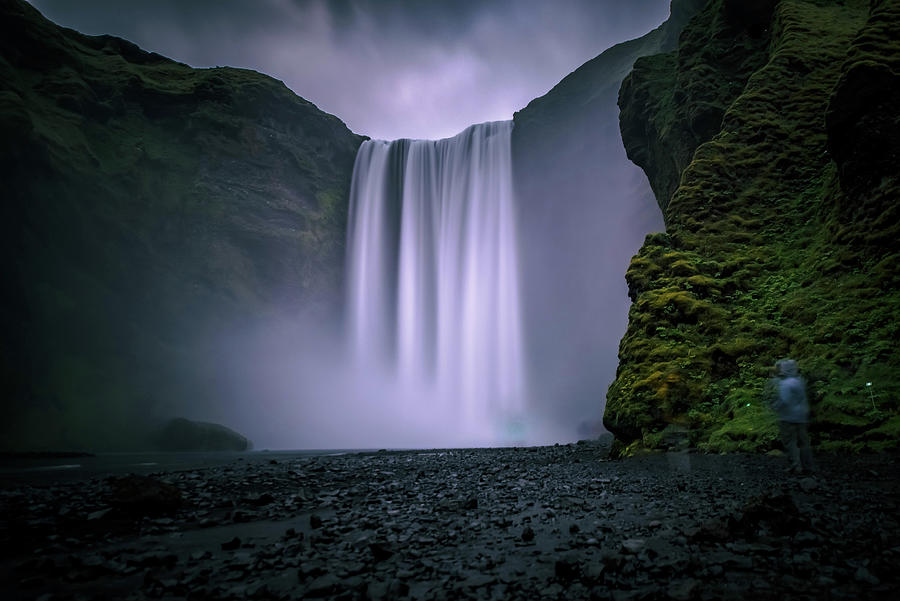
column 840, row 446
column 772, row 247
column 889, row 430
column 147, row 206
column 671, row 103
column 752, row 429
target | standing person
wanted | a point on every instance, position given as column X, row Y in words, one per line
column 792, row 408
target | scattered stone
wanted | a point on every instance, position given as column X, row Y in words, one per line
column 144, row 495
column 380, row 551
column 397, row 527
column 774, row 511
column 322, row 586
column 377, row 590
column 478, row 581
column 633, row 545
column 259, row 500
column 593, row 572
column 567, row 569
column 808, row 484
column 231, row 545
column 552, row 591
column 711, row 530
column 242, row 517
column 152, row 560
column 397, row 589
column 730, row 560
column 98, row 515
column 864, row 575
column 683, row 590
column 805, row 538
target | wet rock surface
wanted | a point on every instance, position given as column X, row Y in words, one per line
column 556, row 522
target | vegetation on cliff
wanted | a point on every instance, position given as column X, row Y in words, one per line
column 771, row 140
column 147, row 207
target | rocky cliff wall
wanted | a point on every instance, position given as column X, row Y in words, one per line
column 771, row 139
column 148, row 208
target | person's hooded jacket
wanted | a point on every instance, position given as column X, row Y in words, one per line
column 790, row 403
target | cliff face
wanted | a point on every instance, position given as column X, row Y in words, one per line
column 570, row 172
column 770, row 137
column 147, row 207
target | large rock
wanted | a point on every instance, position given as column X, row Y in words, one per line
column 181, row 434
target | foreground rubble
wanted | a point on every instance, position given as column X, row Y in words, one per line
column 520, row 523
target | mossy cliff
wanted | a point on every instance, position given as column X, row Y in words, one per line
column 770, row 137
column 147, row 208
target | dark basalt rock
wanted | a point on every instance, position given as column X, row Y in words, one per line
column 143, row 495
column 185, row 435
column 863, row 126
column 728, row 526
column 753, row 15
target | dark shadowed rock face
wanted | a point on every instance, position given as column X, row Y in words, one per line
column 180, row 434
column 569, row 170
column 771, row 139
column 148, row 208
column 673, row 102
column 863, row 127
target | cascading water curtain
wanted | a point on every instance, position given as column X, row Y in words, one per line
column 433, row 283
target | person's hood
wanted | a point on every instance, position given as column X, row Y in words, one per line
column 788, row 367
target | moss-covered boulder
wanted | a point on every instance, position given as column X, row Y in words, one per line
column 148, row 209
column 771, row 141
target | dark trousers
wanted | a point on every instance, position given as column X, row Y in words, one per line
column 796, row 443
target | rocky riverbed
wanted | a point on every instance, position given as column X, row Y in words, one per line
column 557, row 522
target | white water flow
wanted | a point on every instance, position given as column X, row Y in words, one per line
column 433, row 283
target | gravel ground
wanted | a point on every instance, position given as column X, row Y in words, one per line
column 557, row 522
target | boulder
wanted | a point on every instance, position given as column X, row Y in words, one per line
column 181, row 434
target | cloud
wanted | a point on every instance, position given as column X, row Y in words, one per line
column 388, row 68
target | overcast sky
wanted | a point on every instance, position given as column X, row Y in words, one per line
column 387, row 68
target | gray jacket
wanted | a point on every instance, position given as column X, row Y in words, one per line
column 790, row 404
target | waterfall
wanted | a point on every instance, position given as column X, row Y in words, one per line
column 433, row 282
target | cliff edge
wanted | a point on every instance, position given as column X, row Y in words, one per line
column 770, row 137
